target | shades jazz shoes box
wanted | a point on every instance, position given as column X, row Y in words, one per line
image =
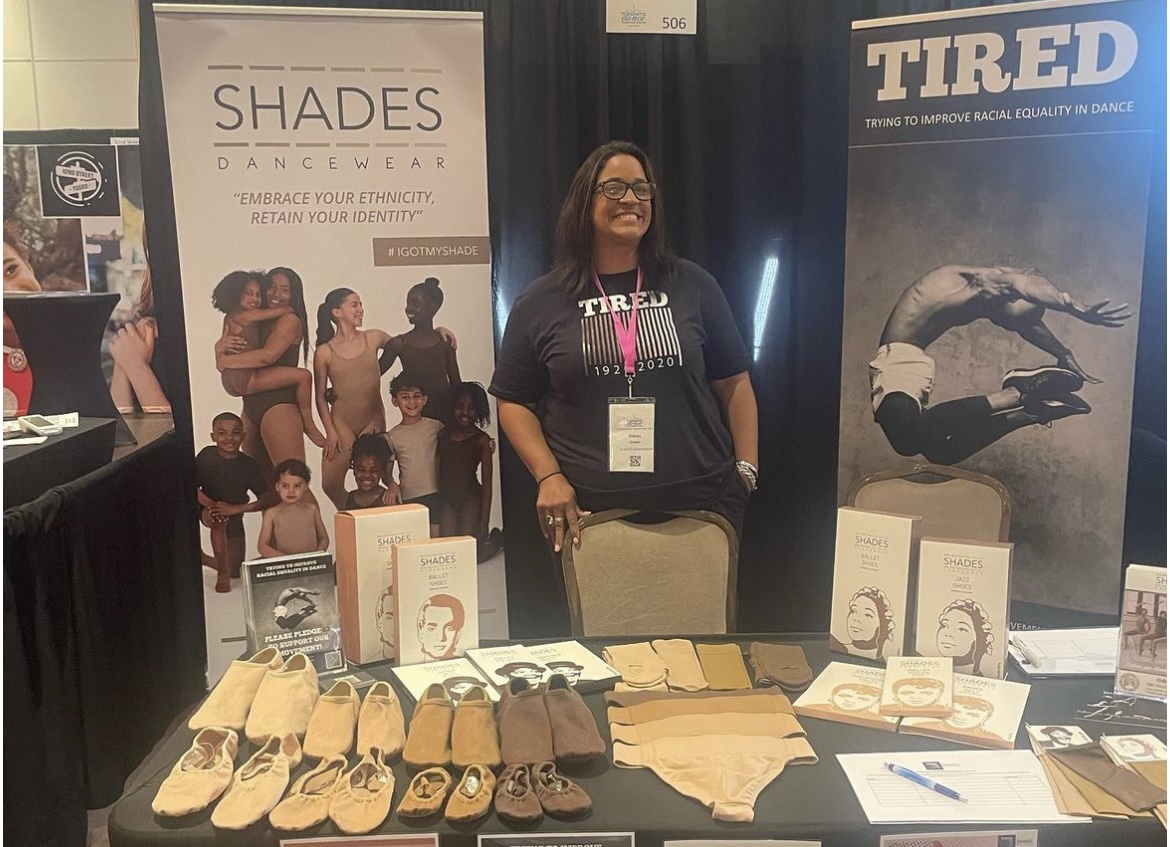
column 436, row 599
column 365, row 575
column 964, row 591
column 872, row 569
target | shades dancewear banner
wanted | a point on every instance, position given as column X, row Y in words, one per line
column 330, row 186
column 999, row 169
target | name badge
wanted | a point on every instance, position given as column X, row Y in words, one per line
column 631, row 434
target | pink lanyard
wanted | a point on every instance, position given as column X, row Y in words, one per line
column 627, row 338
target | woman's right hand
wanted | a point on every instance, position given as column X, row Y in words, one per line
column 229, row 344
column 558, row 512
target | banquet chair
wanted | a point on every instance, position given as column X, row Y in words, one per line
column 952, row 502
column 640, row 573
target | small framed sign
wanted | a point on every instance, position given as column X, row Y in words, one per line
column 650, row 17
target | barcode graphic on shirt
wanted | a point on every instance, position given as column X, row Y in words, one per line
column 657, row 341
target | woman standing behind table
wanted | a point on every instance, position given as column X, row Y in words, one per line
column 562, row 360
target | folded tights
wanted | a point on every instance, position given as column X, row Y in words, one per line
column 639, row 665
column 683, row 672
column 780, row 664
column 654, row 710
column 723, row 666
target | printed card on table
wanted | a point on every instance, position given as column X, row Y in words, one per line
column 986, row 713
column 457, row 676
column 1046, row 737
column 1125, row 749
column 918, row 686
column 847, row 694
column 983, row 838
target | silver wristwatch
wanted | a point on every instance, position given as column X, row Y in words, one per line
column 750, row 471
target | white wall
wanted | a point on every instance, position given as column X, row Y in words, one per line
column 70, row 63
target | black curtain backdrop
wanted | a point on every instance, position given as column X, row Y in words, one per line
column 747, row 124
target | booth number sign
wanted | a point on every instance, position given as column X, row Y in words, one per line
column 648, row 17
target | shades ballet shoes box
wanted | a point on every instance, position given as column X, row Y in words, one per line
column 873, row 566
column 436, row 599
column 365, row 575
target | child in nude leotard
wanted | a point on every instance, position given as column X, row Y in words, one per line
column 240, row 296
column 294, row 525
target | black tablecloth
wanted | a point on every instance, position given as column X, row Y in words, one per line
column 814, row 802
column 103, row 636
column 32, row 469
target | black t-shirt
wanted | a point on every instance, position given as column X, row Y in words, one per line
column 562, row 355
column 229, row 481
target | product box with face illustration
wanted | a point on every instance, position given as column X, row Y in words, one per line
column 985, row 713
column 365, row 579
column 964, row 591
column 847, row 694
column 918, row 686
column 436, row 599
column 872, row 577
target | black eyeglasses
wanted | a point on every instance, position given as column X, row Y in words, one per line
column 615, row 189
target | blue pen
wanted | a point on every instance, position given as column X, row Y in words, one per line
column 925, row 782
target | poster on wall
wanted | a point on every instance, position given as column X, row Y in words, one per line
column 73, row 221
column 330, row 186
column 999, row 167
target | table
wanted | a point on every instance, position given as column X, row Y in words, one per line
column 32, row 469
column 103, row 633
column 814, row 802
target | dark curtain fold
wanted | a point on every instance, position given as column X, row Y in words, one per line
column 747, row 123
column 104, row 637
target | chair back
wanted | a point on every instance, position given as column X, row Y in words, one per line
column 672, row 577
column 952, row 502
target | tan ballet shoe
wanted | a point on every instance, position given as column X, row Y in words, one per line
column 380, row 722
column 472, row 797
column 284, row 701
column 257, row 786
column 426, row 794
column 474, row 736
column 202, row 774
column 228, row 705
column 363, row 800
column 332, row 724
column 307, row 803
column 429, row 742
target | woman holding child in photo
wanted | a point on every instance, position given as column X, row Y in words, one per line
column 273, row 422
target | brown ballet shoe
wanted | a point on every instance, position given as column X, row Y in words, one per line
column 426, row 794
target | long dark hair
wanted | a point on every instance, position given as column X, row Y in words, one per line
column 325, row 328
column 574, row 256
column 296, row 300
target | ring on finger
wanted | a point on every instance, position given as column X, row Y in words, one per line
column 550, row 519
column 559, row 521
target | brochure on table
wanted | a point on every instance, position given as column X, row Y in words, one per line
column 457, row 676
column 1141, row 646
column 918, row 686
column 1001, row 786
column 987, row 713
column 536, row 664
column 847, row 694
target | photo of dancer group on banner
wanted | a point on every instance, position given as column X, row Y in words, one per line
column 432, row 449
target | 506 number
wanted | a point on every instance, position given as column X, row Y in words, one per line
column 674, row 23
